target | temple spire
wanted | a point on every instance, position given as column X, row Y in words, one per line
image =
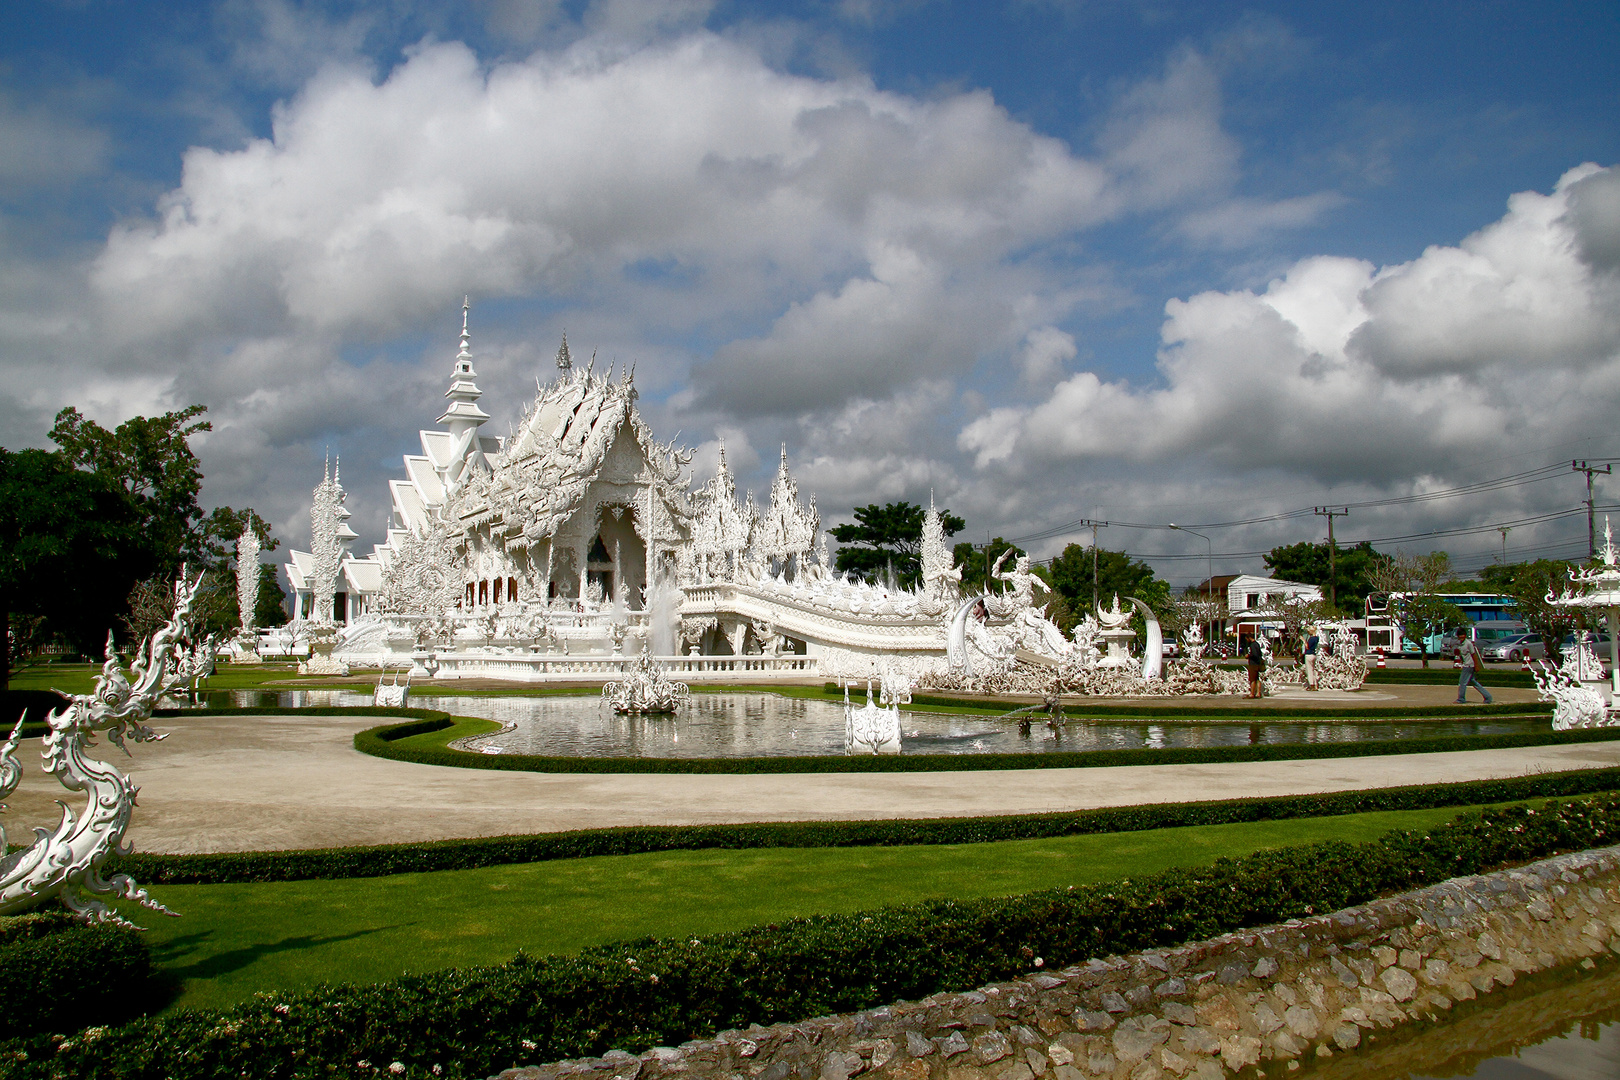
column 565, row 362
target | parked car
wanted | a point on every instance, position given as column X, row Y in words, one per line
column 1517, row 648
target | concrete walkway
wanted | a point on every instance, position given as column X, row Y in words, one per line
column 245, row 783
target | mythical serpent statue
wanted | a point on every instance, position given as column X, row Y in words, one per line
column 61, row 863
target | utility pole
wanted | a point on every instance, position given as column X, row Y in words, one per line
column 1591, row 522
column 1095, row 525
column 1333, row 549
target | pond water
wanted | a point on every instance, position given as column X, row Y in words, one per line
column 1561, row 1026
column 769, row 725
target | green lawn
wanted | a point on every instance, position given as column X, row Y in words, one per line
column 235, row 940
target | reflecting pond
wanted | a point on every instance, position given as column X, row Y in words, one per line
column 770, row 725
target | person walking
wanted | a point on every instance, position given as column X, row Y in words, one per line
column 1311, row 644
column 1257, row 664
column 1468, row 653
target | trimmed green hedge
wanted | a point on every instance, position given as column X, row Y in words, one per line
column 474, row 1022
column 57, row 974
column 382, row 742
column 505, row 850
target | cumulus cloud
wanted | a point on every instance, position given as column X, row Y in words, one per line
column 1343, row 372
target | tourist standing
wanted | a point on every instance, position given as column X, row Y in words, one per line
column 1468, row 653
column 1311, row 644
column 1257, row 664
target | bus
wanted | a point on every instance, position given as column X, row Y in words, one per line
column 1491, row 618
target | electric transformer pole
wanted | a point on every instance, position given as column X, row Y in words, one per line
column 1591, row 521
column 1333, row 550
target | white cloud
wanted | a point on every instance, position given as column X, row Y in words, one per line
column 1047, row 350
column 1340, row 372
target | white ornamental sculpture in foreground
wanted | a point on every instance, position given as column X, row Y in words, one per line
column 1577, row 689
column 647, row 690
column 63, row 862
column 872, row 729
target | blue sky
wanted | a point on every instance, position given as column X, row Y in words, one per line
column 1147, row 262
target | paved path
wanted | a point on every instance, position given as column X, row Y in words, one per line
column 243, row 783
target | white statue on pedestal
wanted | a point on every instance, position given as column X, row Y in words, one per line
column 249, row 579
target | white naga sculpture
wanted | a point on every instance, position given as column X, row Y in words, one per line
column 647, row 690
column 63, row 862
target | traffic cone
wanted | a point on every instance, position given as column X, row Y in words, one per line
column 1381, row 658
column 1524, row 662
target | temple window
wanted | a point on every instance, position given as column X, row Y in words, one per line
column 495, row 594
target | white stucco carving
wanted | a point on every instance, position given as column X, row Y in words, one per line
column 66, row 862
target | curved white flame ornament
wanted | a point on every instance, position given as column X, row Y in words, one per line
column 61, row 863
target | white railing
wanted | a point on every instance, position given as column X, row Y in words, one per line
column 554, row 668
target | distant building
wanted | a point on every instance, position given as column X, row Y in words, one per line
column 1251, row 603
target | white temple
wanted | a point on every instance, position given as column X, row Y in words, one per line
column 579, row 540
column 579, row 543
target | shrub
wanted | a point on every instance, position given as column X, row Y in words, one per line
column 477, row 1021
column 57, row 974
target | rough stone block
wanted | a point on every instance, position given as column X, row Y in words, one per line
column 1199, row 1041
column 1436, row 973
column 1037, row 1061
column 917, row 1046
column 909, row 1070
column 1172, row 1062
column 953, row 1044
column 1264, row 968
column 1218, row 1012
column 1133, row 1044
column 1067, row 1072
column 1100, row 1063
column 841, row 1065
column 1177, row 1013
column 1302, row 1022
column 1346, row 1036
column 1207, row 1070
column 1400, row 983
column 991, row 1046
column 1240, row 1051
column 1113, row 1003
column 1385, row 956
column 1016, row 1071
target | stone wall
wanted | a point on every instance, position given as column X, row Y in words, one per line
column 1307, row 988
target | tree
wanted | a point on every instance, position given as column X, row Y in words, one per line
column 1070, row 575
column 887, row 538
column 152, row 460
column 83, row 526
column 1415, row 580
column 976, row 562
column 1350, row 568
column 1529, row 583
column 69, row 550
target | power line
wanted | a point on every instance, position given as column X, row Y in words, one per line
column 1520, row 479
